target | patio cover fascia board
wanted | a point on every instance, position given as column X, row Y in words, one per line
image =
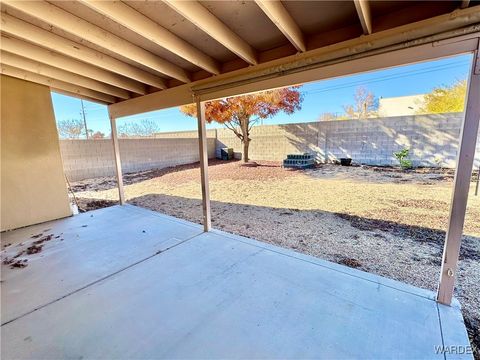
column 371, row 61
column 403, row 37
column 184, row 94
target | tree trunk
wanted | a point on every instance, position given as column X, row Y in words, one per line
column 246, row 140
column 245, row 151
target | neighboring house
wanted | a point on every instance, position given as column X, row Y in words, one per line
column 400, row 106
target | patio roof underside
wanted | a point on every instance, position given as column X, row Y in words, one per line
column 118, row 52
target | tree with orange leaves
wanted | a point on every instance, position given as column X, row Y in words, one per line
column 241, row 113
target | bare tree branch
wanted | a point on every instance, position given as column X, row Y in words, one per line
column 232, row 128
column 252, row 123
column 71, row 128
column 136, row 128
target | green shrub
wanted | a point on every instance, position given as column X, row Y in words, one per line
column 402, row 158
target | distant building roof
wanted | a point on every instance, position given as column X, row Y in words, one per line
column 401, row 105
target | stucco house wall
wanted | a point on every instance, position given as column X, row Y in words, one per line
column 33, row 188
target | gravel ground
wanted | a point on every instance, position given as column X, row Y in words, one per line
column 380, row 220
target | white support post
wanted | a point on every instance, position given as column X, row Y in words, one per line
column 465, row 157
column 118, row 163
column 202, row 144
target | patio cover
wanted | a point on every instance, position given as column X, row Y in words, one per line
column 112, row 51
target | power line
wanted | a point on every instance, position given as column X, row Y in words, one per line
column 415, row 72
column 384, row 78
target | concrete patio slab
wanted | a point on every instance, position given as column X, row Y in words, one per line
column 90, row 246
column 214, row 295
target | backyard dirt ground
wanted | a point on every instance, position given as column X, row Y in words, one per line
column 381, row 220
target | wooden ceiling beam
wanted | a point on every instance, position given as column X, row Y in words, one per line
column 284, row 22
column 46, row 39
column 77, row 26
column 210, row 24
column 456, row 24
column 56, row 84
column 364, row 14
column 59, row 74
column 142, row 25
column 78, row 96
column 44, row 56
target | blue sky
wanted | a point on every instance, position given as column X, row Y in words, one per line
column 319, row 97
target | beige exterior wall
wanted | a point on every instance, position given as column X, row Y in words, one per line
column 33, row 187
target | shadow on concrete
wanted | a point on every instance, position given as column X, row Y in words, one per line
column 411, row 254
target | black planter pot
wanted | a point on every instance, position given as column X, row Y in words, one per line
column 345, row 161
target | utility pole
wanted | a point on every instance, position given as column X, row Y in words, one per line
column 84, row 118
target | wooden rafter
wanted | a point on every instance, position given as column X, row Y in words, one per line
column 363, row 11
column 209, row 23
column 284, row 21
column 79, row 27
column 44, row 56
column 56, row 84
column 142, row 25
column 78, row 96
column 59, row 74
column 46, row 39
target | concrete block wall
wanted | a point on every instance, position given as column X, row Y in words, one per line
column 83, row 159
column 273, row 142
column 432, row 140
